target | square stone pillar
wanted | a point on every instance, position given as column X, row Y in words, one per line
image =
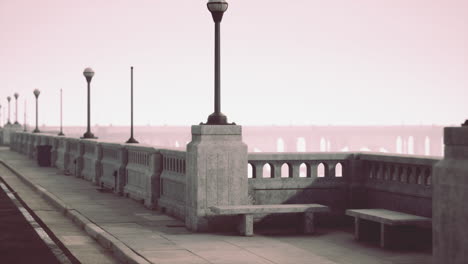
column 216, row 174
column 450, row 199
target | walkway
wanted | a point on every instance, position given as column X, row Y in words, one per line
column 138, row 235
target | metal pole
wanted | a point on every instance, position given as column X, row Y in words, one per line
column 37, row 117
column 131, row 98
column 217, row 68
column 16, row 110
column 131, row 139
column 9, row 112
column 217, row 118
column 24, row 116
column 61, row 115
column 88, row 131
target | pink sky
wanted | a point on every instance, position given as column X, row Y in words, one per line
column 338, row 62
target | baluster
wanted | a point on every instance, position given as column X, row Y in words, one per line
column 294, row 169
column 276, row 170
column 313, row 170
column 330, row 169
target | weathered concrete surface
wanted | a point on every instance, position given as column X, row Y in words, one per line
column 450, row 196
column 7, row 130
column 216, row 173
column 129, row 229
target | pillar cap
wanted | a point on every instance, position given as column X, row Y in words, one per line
column 216, row 130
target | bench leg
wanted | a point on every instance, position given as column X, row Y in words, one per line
column 246, row 225
column 356, row 228
column 382, row 235
column 309, row 225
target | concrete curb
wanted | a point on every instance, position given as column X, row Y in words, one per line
column 105, row 239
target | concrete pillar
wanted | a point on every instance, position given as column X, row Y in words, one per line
column 8, row 129
column 449, row 201
column 216, row 173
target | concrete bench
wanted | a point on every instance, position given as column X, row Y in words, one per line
column 246, row 213
column 385, row 217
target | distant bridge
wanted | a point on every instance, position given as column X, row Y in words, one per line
column 417, row 140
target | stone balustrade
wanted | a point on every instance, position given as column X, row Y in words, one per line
column 91, row 160
column 159, row 177
column 173, row 182
column 142, row 174
column 62, row 160
column 278, row 178
column 113, row 163
column 398, row 182
column 75, row 151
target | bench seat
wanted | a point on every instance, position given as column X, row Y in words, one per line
column 386, row 217
column 246, row 213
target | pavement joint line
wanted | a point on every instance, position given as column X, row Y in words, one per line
column 40, row 232
column 118, row 248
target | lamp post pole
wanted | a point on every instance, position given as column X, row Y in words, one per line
column 1, row 121
column 88, row 73
column 61, row 113
column 131, row 139
column 8, row 99
column 16, row 108
column 217, row 9
column 36, row 94
column 24, row 116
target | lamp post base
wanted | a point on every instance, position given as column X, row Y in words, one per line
column 132, row 140
column 60, row 134
column 16, row 123
column 36, row 131
column 217, row 119
column 88, row 135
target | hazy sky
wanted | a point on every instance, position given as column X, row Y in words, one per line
column 338, row 62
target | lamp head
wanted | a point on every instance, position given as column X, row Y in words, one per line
column 88, row 73
column 36, row 92
column 8, row 98
column 217, row 9
column 16, row 95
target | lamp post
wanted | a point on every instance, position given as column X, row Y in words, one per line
column 1, row 121
column 88, row 74
column 16, row 108
column 131, row 139
column 36, row 94
column 24, row 116
column 9, row 99
column 217, row 9
column 61, row 124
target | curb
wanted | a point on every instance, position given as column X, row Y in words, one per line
column 105, row 239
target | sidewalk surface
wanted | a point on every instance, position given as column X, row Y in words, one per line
column 135, row 234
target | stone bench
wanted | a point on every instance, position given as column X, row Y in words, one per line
column 246, row 213
column 385, row 217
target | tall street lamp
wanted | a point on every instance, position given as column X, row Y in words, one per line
column 131, row 139
column 16, row 108
column 217, row 9
column 36, row 94
column 24, row 116
column 88, row 73
column 61, row 124
column 9, row 99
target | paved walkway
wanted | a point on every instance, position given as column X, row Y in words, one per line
column 20, row 233
column 137, row 235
